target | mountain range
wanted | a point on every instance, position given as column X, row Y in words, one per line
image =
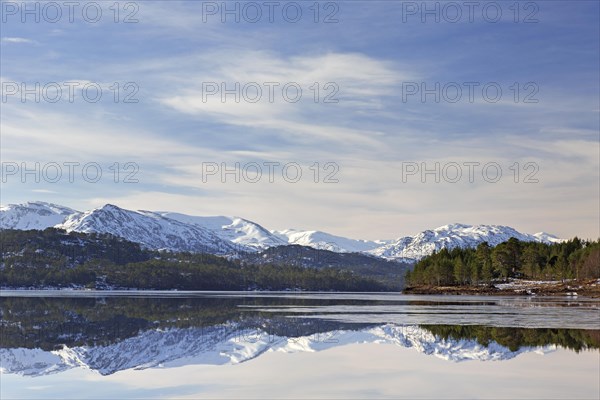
column 162, row 230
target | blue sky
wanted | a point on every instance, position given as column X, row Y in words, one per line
column 374, row 53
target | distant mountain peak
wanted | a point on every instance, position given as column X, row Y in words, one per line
column 455, row 225
column 33, row 215
column 109, row 206
column 149, row 229
column 451, row 236
column 547, row 237
column 230, row 235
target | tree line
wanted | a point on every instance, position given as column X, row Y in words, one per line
column 572, row 259
column 54, row 258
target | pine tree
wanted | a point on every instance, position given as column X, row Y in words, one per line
column 531, row 261
column 484, row 260
column 459, row 271
column 475, row 271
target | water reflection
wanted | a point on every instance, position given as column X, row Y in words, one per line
column 45, row 335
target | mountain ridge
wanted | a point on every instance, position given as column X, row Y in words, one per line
column 165, row 230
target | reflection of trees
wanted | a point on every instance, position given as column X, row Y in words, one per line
column 49, row 323
column 515, row 338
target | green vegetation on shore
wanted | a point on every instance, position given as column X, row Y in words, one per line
column 54, row 258
column 573, row 259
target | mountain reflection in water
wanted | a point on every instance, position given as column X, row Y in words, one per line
column 44, row 335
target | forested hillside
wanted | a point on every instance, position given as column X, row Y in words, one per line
column 55, row 258
column 573, row 259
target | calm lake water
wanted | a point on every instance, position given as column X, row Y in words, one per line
column 62, row 344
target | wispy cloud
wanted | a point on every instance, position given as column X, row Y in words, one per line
column 19, row 40
column 369, row 132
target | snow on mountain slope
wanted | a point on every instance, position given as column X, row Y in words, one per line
column 547, row 238
column 451, row 236
column 235, row 229
column 230, row 344
column 33, row 215
column 325, row 241
column 411, row 248
column 149, row 229
column 229, row 235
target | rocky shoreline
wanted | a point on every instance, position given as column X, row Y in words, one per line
column 586, row 288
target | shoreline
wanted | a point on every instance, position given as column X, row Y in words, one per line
column 585, row 288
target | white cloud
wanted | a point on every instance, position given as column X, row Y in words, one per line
column 369, row 133
column 18, row 40
column 362, row 81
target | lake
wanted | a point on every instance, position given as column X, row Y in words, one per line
column 86, row 344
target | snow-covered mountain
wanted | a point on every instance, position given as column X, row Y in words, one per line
column 237, row 230
column 150, row 229
column 230, row 344
column 454, row 235
column 325, row 241
column 229, row 235
column 33, row 215
column 547, row 238
column 411, row 248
